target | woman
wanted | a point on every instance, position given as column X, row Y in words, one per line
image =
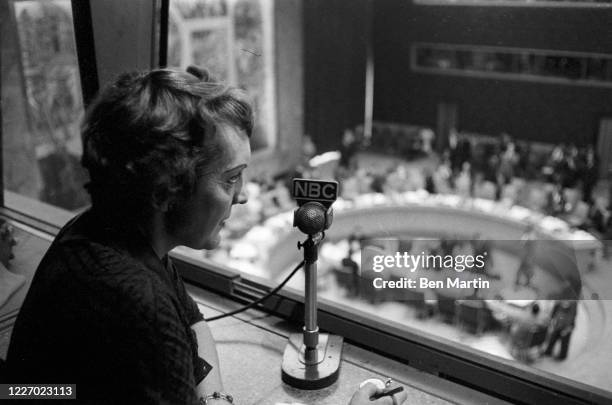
column 107, row 310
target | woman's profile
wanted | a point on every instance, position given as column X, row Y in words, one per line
column 107, row 310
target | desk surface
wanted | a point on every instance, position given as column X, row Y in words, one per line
column 251, row 347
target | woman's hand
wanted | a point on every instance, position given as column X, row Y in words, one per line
column 362, row 396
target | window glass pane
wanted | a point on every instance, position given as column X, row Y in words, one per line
column 413, row 181
column 42, row 104
column 233, row 40
column 464, row 158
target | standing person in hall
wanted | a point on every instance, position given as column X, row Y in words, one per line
column 482, row 247
column 107, row 310
column 355, row 243
column 563, row 319
column 508, row 160
column 351, row 267
column 464, row 150
column 443, row 175
column 309, row 150
column 555, row 200
column 348, row 151
column 463, row 181
column 429, row 183
column 527, row 247
column 589, row 172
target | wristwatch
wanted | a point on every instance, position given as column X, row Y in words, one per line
column 217, row 395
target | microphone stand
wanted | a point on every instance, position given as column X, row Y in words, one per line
column 311, row 360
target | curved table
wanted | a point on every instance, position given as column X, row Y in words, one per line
column 563, row 251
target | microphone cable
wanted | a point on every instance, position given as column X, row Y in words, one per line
column 265, row 297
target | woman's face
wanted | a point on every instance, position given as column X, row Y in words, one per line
column 197, row 221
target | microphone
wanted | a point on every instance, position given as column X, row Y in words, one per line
column 312, row 218
column 312, row 360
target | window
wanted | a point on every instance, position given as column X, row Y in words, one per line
column 233, row 40
column 384, row 210
column 40, row 75
column 404, row 185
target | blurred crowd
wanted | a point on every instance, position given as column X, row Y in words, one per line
column 557, row 180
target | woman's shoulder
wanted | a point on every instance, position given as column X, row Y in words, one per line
column 105, row 270
column 104, row 264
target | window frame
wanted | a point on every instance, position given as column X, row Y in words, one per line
column 497, row 377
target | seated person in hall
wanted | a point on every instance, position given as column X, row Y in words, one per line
column 528, row 336
column 107, row 310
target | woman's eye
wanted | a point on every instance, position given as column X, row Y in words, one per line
column 235, row 179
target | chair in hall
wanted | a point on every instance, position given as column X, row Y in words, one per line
column 415, row 299
column 526, row 341
column 446, row 307
column 369, row 292
column 473, row 316
column 538, row 337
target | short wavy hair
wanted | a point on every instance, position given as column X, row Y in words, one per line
column 148, row 135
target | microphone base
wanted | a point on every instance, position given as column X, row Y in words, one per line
column 297, row 373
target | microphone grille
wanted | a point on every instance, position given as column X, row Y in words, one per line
column 310, row 218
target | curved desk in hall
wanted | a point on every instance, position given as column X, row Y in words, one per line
column 564, row 252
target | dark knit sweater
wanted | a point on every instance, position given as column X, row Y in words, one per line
column 105, row 313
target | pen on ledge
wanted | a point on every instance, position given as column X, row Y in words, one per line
column 387, row 393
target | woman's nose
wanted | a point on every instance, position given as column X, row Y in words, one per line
column 242, row 197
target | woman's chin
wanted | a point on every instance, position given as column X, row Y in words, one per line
column 211, row 243
column 203, row 242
